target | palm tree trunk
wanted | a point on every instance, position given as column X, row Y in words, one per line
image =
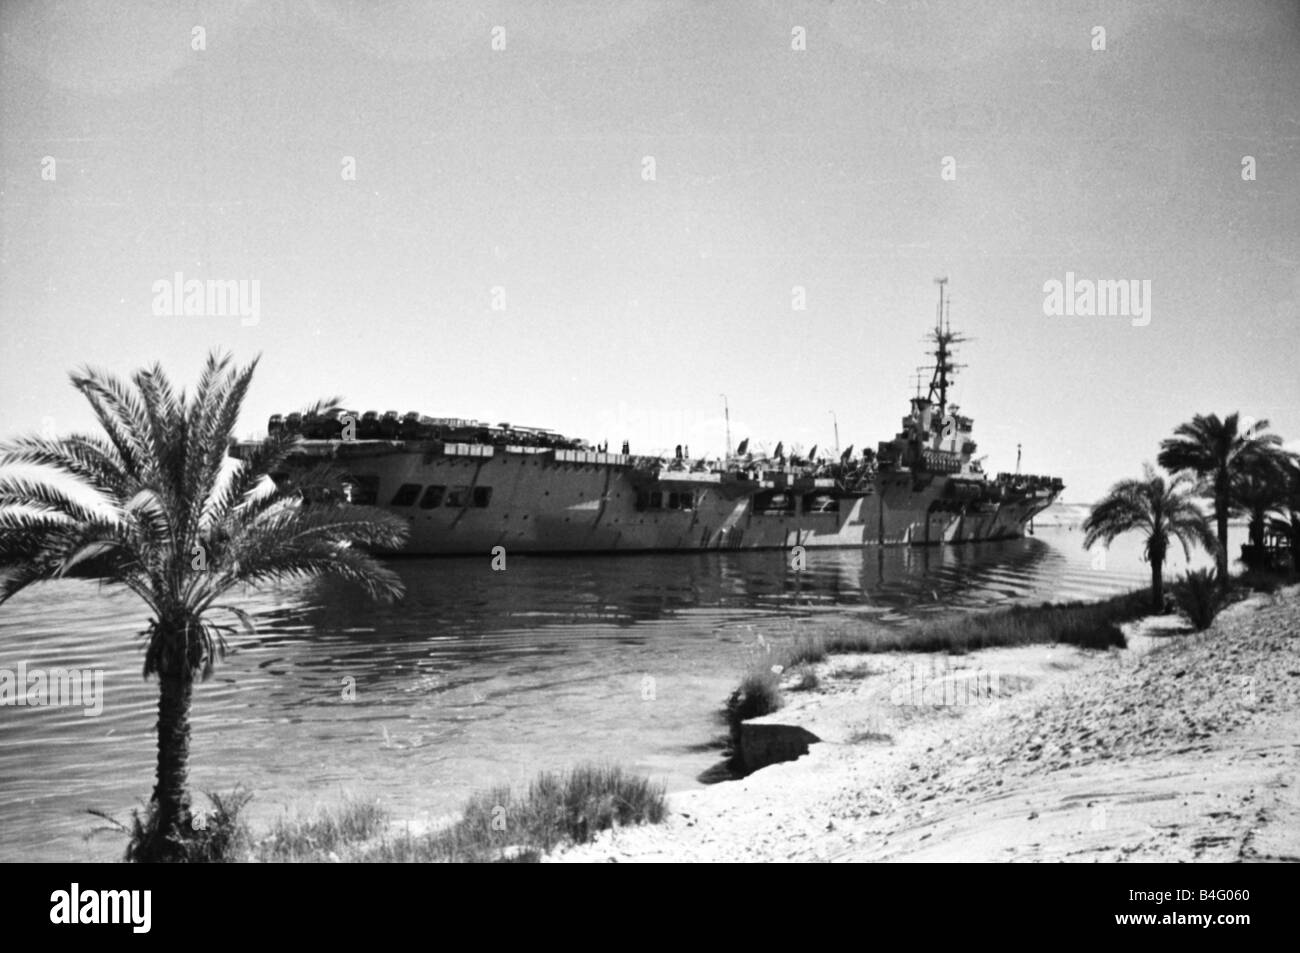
column 171, row 795
column 1157, row 585
column 1258, row 517
column 1221, row 518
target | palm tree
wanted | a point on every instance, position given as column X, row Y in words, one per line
column 157, row 506
column 1256, row 492
column 1287, row 523
column 1161, row 509
column 1218, row 451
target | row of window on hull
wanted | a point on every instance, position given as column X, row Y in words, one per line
column 659, row 500
column 765, row 504
column 435, row 496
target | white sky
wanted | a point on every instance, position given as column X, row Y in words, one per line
column 631, row 305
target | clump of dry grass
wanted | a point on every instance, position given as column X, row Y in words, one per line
column 556, row 809
column 333, row 831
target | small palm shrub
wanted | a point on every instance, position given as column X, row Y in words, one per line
column 1200, row 597
column 218, row 836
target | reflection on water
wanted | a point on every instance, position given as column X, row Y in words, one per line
column 476, row 678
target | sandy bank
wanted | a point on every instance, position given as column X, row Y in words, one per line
column 1183, row 747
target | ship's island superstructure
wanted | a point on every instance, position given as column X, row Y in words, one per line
column 466, row 487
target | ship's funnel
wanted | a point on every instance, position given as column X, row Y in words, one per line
column 923, row 410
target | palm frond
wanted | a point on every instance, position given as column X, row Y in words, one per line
column 323, row 407
column 286, row 527
column 199, row 414
column 320, row 558
column 86, row 458
column 248, row 476
column 15, row 578
column 17, row 490
column 119, row 413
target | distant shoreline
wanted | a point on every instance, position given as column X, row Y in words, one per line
column 1072, row 515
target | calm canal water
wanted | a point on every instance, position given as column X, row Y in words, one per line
column 477, row 678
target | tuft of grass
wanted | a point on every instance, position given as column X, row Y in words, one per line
column 500, row 826
column 806, row 680
column 577, row 805
column 1200, row 597
column 871, row 737
column 1093, row 625
column 334, row 831
column 856, row 672
column 758, row 694
column 804, row 650
column 850, row 642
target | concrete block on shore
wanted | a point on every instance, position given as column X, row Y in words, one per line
column 768, row 740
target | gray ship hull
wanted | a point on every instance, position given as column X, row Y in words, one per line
column 468, row 499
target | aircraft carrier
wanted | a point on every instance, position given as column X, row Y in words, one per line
column 467, row 487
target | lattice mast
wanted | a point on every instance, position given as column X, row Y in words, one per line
column 943, row 339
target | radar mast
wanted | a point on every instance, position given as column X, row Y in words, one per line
column 943, row 338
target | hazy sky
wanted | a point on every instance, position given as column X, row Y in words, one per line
column 631, row 304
